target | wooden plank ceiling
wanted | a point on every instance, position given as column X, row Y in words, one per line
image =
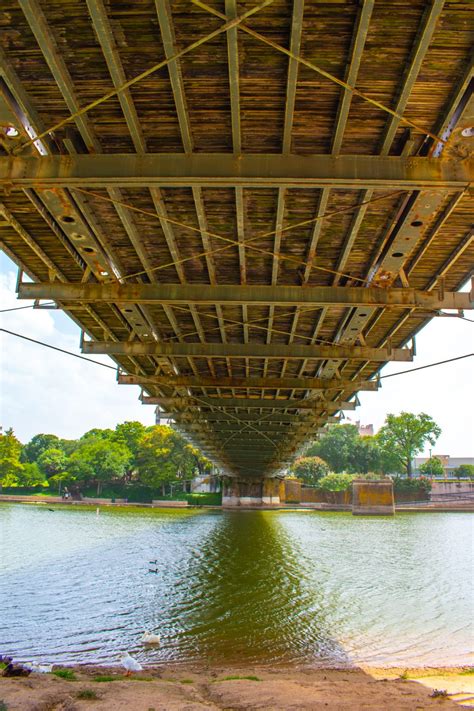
column 375, row 78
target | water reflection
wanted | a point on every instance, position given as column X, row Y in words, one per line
column 249, row 600
column 235, row 587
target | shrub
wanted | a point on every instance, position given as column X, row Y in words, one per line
column 67, row 674
column 411, row 489
column 87, row 694
column 310, row 469
column 335, row 482
column 209, row 499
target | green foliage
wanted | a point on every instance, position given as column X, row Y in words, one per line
column 309, row 469
column 10, row 466
column 208, row 499
column 97, row 433
column 415, row 488
column 32, row 475
column 107, row 677
column 201, row 463
column 405, row 435
column 52, row 461
column 130, row 434
column 99, row 460
column 131, row 462
column 67, row 674
column 88, row 694
column 336, row 482
column 38, row 444
column 432, row 467
column 236, row 676
column 365, row 456
column 336, row 446
column 164, row 456
column 464, row 471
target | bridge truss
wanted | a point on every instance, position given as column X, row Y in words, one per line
column 250, row 206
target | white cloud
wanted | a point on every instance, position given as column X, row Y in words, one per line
column 46, row 391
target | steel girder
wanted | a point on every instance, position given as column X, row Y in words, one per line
column 246, row 350
column 227, row 170
column 255, row 295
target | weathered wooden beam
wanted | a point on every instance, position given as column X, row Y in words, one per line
column 172, row 294
column 191, row 381
column 246, row 350
column 226, row 170
column 249, row 403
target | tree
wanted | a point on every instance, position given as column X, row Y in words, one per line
column 161, row 458
column 130, row 434
column 99, row 460
column 97, row 433
column 37, row 445
column 364, row 455
column 404, row 436
column 310, row 469
column 464, row 471
column 52, row 461
column 432, row 467
column 31, row 475
column 10, row 465
column 336, row 446
column 199, row 461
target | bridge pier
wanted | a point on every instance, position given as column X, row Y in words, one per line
column 250, row 492
column 372, row 497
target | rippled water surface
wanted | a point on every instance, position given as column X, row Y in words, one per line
column 236, row 587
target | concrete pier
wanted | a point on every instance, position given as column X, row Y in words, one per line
column 372, row 498
column 248, row 492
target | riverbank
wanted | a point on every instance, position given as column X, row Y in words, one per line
column 435, row 506
column 194, row 688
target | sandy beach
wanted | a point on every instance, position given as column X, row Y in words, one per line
column 191, row 688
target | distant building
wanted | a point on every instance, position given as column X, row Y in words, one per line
column 449, row 463
column 365, row 430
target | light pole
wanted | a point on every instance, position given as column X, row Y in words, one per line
column 431, row 469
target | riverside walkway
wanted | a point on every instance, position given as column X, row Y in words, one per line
column 250, row 207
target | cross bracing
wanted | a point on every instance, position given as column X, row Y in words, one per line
column 249, row 202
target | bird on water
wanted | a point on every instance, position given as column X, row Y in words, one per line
column 150, row 638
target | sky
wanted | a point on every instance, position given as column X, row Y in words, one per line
column 45, row 391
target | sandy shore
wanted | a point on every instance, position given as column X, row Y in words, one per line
column 166, row 689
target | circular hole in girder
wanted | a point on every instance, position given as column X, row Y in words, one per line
column 468, row 131
column 416, row 223
column 67, row 218
column 104, row 273
column 128, row 311
column 397, row 254
column 362, row 315
column 89, row 250
column 78, row 236
column 138, row 324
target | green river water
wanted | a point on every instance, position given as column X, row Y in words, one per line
column 236, row 588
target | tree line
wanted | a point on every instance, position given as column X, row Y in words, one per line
column 390, row 451
column 131, row 453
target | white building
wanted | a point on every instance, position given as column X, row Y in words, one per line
column 449, row 463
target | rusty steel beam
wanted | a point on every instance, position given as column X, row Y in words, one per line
column 191, row 381
column 250, row 403
column 246, row 350
column 172, row 294
column 227, row 170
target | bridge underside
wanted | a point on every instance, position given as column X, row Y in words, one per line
column 251, row 207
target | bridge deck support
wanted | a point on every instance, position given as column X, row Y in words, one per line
column 248, row 492
column 372, row 497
